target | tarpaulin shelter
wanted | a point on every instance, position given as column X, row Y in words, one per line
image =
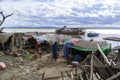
column 68, row 43
column 72, row 40
column 65, row 49
column 91, row 46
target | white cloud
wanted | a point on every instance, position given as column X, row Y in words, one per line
column 53, row 12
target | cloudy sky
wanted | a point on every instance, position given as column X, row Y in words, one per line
column 36, row 13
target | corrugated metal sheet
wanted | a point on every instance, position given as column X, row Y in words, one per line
column 91, row 44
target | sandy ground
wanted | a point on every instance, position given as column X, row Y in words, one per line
column 31, row 69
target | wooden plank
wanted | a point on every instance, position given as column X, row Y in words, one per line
column 68, row 73
column 91, row 67
column 97, row 76
column 88, row 57
column 72, row 76
column 102, row 73
column 43, row 76
column 114, row 76
column 81, row 78
column 84, row 76
column 76, row 73
column 62, row 75
column 112, row 38
column 98, row 62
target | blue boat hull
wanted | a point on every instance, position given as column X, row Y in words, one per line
column 92, row 34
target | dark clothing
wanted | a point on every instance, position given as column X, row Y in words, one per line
column 54, row 55
column 77, row 57
column 54, row 49
column 66, row 49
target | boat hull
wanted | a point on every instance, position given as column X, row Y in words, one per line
column 71, row 31
column 92, row 34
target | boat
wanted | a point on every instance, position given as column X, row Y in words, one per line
column 92, row 34
column 70, row 31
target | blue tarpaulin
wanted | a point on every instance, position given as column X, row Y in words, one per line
column 65, row 49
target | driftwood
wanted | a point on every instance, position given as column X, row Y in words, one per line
column 3, row 19
column 69, row 75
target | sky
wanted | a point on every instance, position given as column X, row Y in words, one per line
column 57, row 13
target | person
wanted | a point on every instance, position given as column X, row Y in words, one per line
column 54, row 51
column 77, row 57
column 75, row 63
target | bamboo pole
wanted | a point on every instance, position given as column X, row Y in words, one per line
column 105, row 58
column 81, row 78
column 88, row 56
column 43, row 76
column 62, row 75
column 91, row 68
column 99, row 63
column 68, row 73
column 72, row 76
column 114, row 76
column 76, row 73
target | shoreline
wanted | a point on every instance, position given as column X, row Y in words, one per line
column 51, row 27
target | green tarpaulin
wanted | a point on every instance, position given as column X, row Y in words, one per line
column 106, row 50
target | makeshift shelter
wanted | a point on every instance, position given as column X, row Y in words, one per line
column 66, row 49
column 82, row 48
column 4, row 39
column 91, row 46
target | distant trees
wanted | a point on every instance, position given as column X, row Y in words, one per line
column 4, row 18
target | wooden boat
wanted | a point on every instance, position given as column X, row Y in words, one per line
column 70, row 31
column 92, row 34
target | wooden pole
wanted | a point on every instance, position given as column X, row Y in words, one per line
column 68, row 73
column 91, row 68
column 81, row 78
column 98, row 62
column 114, row 76
column 72, row 76
column 88, row 56
column 13, row 41
column 105, row 58
column 43, row 76
column 76, row 73
column 62, row 75
column 118, row 57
